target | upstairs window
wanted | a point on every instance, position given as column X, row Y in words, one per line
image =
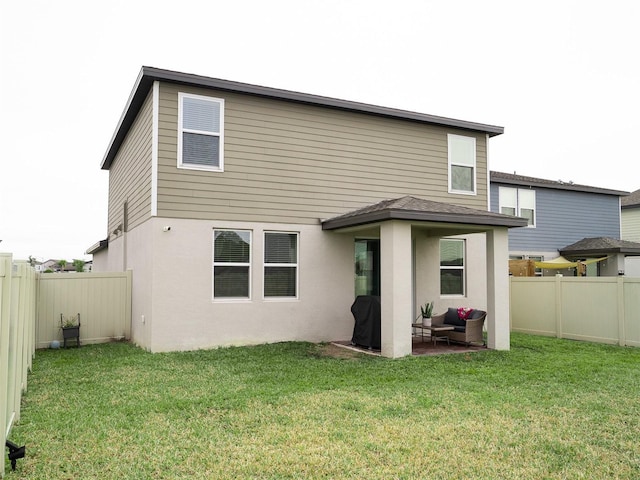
column 200, row 132
column 462, row 164
column 519, row 202
column 231, row 264
column 280, row 265
column 452, row 271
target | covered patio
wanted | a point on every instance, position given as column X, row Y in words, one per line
column 409, row 230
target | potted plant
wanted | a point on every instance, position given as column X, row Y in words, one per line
column 427, row 311
column 70, row 327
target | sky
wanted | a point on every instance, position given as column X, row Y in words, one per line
column 562, row 77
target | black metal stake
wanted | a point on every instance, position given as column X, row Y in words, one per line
column 15, row 452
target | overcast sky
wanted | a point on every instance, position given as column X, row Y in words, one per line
column 562, row 77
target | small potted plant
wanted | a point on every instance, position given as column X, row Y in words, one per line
column 427, row 311
column 70, row 327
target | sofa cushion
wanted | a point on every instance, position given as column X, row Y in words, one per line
column 476, row 314
column 452, row 318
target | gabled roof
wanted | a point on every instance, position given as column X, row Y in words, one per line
column 631, row 201
column 149, row 74
column 601, row 246
column 513, row 179
column 418, row 209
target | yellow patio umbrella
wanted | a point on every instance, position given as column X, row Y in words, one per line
column 561, row 263
column 557, row 263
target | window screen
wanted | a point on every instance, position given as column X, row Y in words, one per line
column 462, row 163
column 231, row 264
column 280, row 264
column 201, row 132
column 452, row 273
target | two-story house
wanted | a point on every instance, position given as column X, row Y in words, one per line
column 575, row 221
column 631, row 229
column 251, row 215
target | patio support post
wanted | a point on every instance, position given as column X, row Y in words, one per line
column 395, row 298
column 498, row 324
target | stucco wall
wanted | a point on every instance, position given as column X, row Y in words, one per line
column 172, row 275
column 185, row 317
column 632, row 267
column 427, row 275
column 100, row 261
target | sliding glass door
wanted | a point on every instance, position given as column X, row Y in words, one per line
column 367, row 267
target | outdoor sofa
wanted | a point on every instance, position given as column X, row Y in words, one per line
column 467, row 330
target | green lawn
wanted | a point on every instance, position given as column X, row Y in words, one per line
column 548, row 408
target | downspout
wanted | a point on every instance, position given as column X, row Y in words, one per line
column 488, row 174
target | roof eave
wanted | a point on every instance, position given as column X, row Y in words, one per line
column 601, row 251
column 393, row 214
column 559, row 186
column 98, row 246
column 148, row 75
column 317, row 100
column 129, row 114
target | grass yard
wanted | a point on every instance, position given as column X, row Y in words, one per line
column 547, row 409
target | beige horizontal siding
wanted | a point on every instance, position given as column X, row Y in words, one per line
column 631, row 224
column 297, row 163
column 130, row 173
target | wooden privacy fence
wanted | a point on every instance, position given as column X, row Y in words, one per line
column 595, row 309
column 103, row 301
column 18, row 290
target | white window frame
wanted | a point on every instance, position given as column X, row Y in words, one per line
column 270, row 265
column 519, row 195
column 220, row 134
column 231, row 264
column 452, row 139
column 463, row 268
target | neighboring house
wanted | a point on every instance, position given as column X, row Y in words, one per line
column 54, row 265
column 631, row 229
column 251, row 215
column 630, row 206
column 612, row 251
column 559, row 214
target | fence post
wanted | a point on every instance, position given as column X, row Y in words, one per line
column 622, row 334
column 559, row 287
column 5, row 314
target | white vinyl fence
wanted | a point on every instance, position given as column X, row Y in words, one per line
column 18, row 290
column 595, row 309
column 103, row 301
column 30, row 308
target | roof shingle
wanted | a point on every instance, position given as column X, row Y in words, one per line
column 632, row 200
column 418, row 209
column 601, row 245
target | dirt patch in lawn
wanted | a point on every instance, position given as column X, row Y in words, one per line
column 337, row 351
